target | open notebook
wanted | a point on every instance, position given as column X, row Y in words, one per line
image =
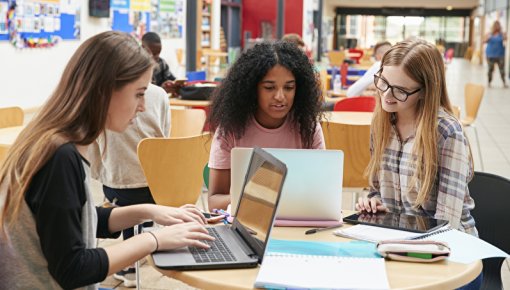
column 321, row 272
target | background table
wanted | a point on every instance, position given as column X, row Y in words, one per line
column 189, row 103
column 401, row 275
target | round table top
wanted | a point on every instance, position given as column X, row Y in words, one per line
column 401, row 275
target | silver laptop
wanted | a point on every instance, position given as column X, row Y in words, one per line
column 242, row 244
column 313, row 187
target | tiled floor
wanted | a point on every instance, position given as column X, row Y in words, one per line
column 493, row 125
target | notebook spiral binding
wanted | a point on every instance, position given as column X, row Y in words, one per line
column 431, row 234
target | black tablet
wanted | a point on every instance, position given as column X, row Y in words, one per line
column 411, row 223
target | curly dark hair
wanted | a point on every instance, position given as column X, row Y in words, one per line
column 235, row 100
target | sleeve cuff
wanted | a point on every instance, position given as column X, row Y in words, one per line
column 103, row 215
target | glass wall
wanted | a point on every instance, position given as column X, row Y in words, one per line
column 367, row 30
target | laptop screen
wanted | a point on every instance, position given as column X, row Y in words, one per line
column 259, row 199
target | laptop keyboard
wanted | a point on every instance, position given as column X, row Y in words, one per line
column 218, row 252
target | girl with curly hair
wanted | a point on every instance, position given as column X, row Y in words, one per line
column 269, row 98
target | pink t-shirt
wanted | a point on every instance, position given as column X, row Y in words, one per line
column 286, row 136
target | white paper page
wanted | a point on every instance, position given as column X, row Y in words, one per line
column 466, row 248
column 323, row 272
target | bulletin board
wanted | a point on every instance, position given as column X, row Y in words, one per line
column 34, row 23
column 132, row 16
column 165, row 17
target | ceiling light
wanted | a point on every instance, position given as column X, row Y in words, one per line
column 449, row 7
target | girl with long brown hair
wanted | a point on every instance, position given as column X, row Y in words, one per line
column 421, row 160
column 48, row 224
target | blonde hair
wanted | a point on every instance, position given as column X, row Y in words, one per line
column 496, row 27
column 423, row 63
column 76, row 111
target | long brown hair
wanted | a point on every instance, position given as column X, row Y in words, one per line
column 423, row 63
column 76, row 111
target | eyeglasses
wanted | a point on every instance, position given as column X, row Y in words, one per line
column 398, row 93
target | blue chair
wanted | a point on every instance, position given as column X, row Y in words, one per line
column 196, row 75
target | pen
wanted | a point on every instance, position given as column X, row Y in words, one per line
column 313, row 231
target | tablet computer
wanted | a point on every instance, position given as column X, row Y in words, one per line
column 404, row 222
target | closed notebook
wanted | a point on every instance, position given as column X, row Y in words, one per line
column 321, row 272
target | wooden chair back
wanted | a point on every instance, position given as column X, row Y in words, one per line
column 187, row 122
column 456, row 111
column 11, row 116
column 473, row 95
column 354, row 141
column 173, row 167
column 336, row 58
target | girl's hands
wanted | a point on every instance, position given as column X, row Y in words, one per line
column 165, row 215
column 371, row 205
column 182, row 235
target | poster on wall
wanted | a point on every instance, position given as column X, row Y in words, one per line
column 39, row 23
column 132, row 16
column 168, row 20
column 165, row 17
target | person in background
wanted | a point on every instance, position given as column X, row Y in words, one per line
column 48, row 224
column 114, row 161
column 269, row 98
column 366, row 82
column 161, row 76
column 495, row 51
column 297, row 40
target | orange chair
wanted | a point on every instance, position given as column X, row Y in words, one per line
column 356, row 104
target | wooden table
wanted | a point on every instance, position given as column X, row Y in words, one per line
column 401, row 275
column 8, row 135
column 352, row 118
column 189, row 103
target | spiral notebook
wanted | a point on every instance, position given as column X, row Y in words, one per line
column 376, row 234
column 321, row 272
column 465, row 248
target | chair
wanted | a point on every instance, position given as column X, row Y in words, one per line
column 354, row 141
column 187, row 122
column 473, row 95
column 492, row 196
column 336, row 58
column 11, row 116
column 355, row 54
column 356, row 104
column 448, row 56
column 173, row 167
column 456, row 111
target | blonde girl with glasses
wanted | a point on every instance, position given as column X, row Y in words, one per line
column 421, row 160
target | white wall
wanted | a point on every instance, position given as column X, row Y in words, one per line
column 28, row 76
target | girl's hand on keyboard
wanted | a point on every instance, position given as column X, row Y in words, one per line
column 182, row 235
column 166, row 215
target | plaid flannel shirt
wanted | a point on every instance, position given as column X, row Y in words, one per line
column 449, row 198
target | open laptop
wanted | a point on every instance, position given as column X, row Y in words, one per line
column 313, row 187
column 242, row 244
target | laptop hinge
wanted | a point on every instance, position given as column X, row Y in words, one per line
column 243, row 243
